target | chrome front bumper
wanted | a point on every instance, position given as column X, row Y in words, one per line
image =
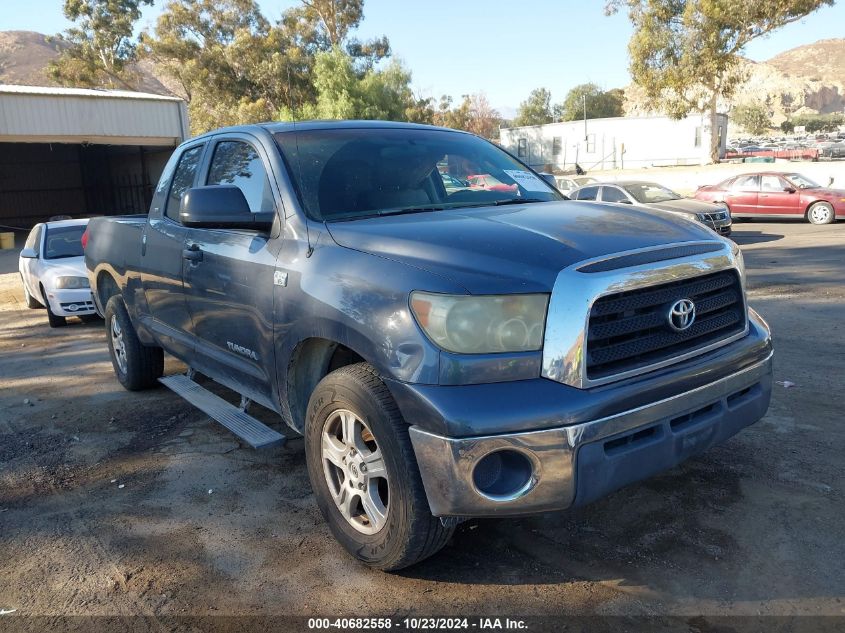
column 572, row 465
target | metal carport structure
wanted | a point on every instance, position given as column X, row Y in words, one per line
column 81, row 152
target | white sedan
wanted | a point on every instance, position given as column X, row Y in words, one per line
column 52, row 268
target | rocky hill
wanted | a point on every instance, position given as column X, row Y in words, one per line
column 25, row 55
column 823, row 60
column 808, row 79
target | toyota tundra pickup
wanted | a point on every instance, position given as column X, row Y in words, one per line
column 446, row 353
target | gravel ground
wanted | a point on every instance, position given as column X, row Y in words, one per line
column 117, row 503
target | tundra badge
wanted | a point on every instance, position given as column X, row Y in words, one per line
column 242, row 350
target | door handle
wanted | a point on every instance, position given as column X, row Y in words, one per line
column 192, row 253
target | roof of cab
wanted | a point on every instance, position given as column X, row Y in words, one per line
column 276, row 127
column 63, row 223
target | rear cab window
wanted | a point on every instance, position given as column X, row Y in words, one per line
column 183, row 179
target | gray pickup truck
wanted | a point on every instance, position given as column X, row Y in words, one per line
column 452, row 337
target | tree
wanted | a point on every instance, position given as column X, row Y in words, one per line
column 215, row 50
column 820, row 122
column 536, row 110
column 483, row 118
column 100, row 49
column 754, row 117
column 600, row 104
column 787, row 127
column 234, row 66
column 329, row 24
column 347, row 92
column 686, row 54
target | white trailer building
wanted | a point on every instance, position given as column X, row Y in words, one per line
column 615, row 143
column 77, row 152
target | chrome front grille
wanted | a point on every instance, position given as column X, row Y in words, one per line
column 715, row 218
column 632, row 329
column 607, row 317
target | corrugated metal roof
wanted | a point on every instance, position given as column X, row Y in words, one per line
column 83, row 92
column 33, row 114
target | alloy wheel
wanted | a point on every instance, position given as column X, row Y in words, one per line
column 355, row 471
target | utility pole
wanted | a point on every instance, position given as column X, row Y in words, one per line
column 584, row 96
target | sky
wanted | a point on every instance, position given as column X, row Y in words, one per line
column 501, row 48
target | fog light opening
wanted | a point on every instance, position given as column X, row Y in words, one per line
column 503, row 475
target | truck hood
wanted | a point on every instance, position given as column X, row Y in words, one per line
column 686, row 205
column 519, row 248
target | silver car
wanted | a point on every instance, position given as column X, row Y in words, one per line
column 650, row 194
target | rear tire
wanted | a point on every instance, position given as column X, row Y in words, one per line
column 53, row 319
column 137, row 366
column 821, row 213
column 402, row 531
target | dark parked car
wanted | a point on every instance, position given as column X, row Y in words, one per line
column 777, row 195
column 475, row 353
column 654, row 196
column 834, row 150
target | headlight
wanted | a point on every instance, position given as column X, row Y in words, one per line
column 484, row 324
column 69, row 283
column 690, row 216
column 740, row 260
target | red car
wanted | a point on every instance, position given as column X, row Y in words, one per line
column 777, row 195
column 486, row 181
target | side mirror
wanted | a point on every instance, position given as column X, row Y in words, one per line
column 221, row 207
column 626, row 202
column 29, row 253
column 789, row 189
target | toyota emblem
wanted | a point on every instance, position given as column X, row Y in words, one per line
column 682, row 315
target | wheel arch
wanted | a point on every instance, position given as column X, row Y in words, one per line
column 312, row 359
column 105, row 288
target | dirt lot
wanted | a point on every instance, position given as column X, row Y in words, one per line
column 114, row 503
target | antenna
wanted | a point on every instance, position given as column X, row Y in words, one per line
column 294, row 115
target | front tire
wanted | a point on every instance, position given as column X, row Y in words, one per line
column 821, row 213
column 137, row 366
column 364, row 473
column 53, row 319
column 31, row 302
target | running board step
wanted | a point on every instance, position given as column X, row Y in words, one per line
column 239, row 422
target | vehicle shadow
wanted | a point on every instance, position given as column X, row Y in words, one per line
column 745, row 236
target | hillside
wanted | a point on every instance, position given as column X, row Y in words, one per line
column 24, row 56
column 807, row 79
column 821, row 61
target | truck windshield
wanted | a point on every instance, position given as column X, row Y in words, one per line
column 350, row 173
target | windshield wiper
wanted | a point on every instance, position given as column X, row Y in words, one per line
column 499, row 203
column 419, row 209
